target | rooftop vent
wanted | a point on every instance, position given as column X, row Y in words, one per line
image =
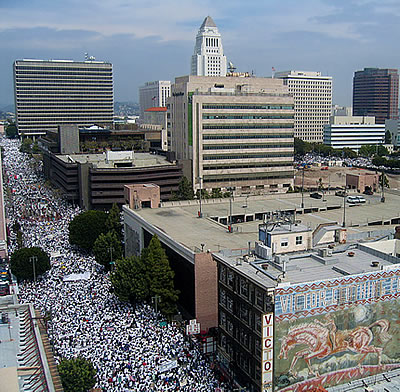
column 375, row 264
column 351, row 254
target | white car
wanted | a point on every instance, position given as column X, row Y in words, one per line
column 352, row 200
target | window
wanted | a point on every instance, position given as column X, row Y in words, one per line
column 244, row 286
column 284, row 242
column 222, row 297
column 222, row 274
column 299, row 240
column 230, row 279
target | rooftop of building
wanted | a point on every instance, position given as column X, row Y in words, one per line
column 208, row 22
column 157, row 109
column 19, row 333
column 62, row 61
column 301, row 267
column 109, row 159
column 248, row 212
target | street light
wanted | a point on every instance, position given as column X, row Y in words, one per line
column 155, row 300
column 344, row 207
column 383, row 186
column 111, row 256
column 200, row 212
column 33, row 260
column 302, row 189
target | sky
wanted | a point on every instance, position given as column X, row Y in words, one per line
column 154, row 39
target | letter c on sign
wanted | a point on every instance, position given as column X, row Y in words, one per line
column 268, row 343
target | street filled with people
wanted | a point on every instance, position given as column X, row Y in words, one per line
column 128, row 345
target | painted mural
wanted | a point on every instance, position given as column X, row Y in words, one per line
column 331, row 332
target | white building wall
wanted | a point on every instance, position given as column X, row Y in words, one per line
column 312, row 94
column 393, row 126
column 208, row 58
column 154, row 94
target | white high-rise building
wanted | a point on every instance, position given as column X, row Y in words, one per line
column 208, row 58
column 154, row 94
column 312, row 94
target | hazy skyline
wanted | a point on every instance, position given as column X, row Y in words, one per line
column 154, row 40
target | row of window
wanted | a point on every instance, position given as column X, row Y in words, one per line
column 245, row 146
column 249, row 156
column 248, row 177
column 246, row 106
column 248, row 136
column 247, row 126
column 246, row 116
column 249, row 166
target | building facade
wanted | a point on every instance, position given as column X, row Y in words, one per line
column 153, row 94
column 235, row 132
column 331, row 306
column 62, row 92
column 208, row 58
column 353, row 132
column 97, row 180
column 376, row 93
column 393, row 126
column 312, row 94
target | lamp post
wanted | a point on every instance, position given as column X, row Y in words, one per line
column 383, row 186
column 111, row 257
column 302, row 189
column 155, row 300
column 344, row 207
column 200, row 211
column 33, row 260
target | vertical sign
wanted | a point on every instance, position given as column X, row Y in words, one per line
column 267, row 352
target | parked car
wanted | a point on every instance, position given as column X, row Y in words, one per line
column 316, row 195
column 368, row 192
column 340, row 193
column 352, row 200
column 361, row 199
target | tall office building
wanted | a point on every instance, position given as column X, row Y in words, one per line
column 49, row 93
column 154, row 94
column 233, row 132
column 376, row 93
column 208, row 58
column 312, row 94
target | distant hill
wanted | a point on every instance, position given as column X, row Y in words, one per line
column 126, row 108
column 7, row 108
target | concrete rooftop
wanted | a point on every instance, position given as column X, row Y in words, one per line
column 180, row 221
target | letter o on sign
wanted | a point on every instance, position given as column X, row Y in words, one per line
column 267, row 366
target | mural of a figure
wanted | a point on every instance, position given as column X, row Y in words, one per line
column 323, row 339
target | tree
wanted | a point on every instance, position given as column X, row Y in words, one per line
column 385, row 180
column 216, row 193
column 26, row 145
column 141, row 278
column 20, row 239
column 379, row 161
column 77, row 374
column 367, row 150
column 130, row 280
column 185, row 190
column 107, row 248
column 22, row 263
column 301, row 147
column 382, row 151
column 113, row 221
column 349, row 153
column 160, row 276
column 86, row 227
column 11, row 131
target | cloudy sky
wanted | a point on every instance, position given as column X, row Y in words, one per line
column 154, row 39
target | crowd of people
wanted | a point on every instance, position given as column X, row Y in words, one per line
column 127, row 344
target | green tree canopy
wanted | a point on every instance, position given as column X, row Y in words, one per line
column 86, row 227
column 21, row 262
column 113, row 221
column 160, row 276
column 11, row 131
column 185, row 190
column 26, row 145
column 130, row 280
column 107, row 248
column 77, row 374
column 301, row 147
column 367, row 150
column 141, row 278
column 349, row 153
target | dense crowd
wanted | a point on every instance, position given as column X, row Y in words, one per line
column 126, row 344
